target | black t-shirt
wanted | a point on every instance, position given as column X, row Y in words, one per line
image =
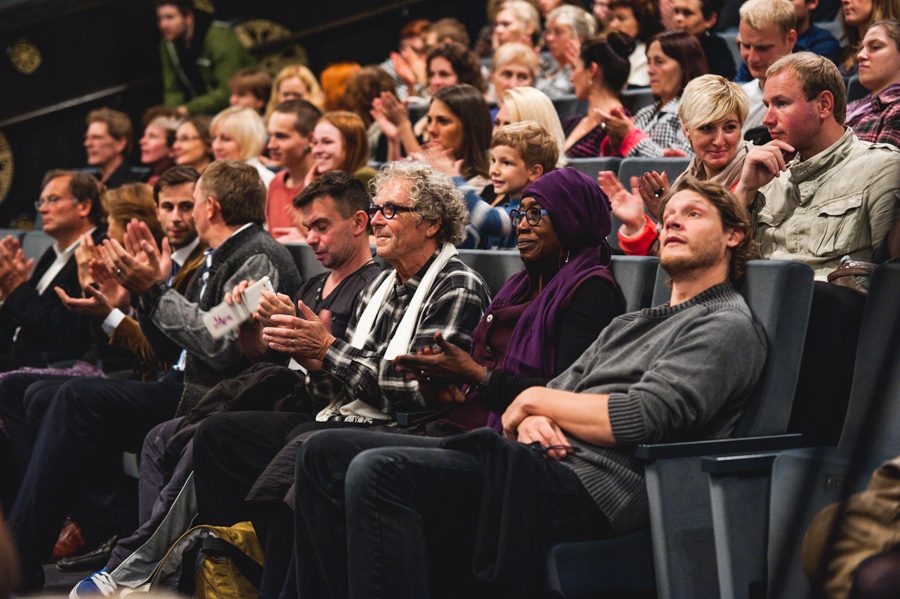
column 341, row 302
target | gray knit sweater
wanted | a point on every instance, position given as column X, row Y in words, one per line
column 671, row 373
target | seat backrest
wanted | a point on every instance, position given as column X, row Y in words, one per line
column 494, row 266
column 635, row 99
column 635, row 167
column 306, row 260
column 35, row 243
column 569, row 105
column 855, row 89
column 592, row 166
column 730, row 38
column 779, row 294
column 874, row 410
column 661, row 290
column 636, row 276
column 14, row 233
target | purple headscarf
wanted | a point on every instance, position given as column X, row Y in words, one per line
column 579, row 211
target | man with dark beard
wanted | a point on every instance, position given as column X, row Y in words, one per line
column 405, row 517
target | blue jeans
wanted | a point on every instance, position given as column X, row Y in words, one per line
column 383, row 515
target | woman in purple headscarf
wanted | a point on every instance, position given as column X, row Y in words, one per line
column 545, row 316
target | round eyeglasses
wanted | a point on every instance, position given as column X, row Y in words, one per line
column 532, row 216
column 388, row 209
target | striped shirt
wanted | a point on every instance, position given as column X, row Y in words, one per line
column 456, row 303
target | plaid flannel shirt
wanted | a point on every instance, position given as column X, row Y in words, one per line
column 663, row 129
column 456, row 303
column 879, row 122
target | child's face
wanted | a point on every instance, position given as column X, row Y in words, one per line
column 245, row 100
column 509, row 174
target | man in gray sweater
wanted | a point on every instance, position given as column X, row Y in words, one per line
column 415, row 513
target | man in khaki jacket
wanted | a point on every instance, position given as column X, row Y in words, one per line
column 818, row 192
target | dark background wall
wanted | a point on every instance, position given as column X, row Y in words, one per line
column 105, row 53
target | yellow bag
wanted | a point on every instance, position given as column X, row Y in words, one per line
column 213, row 562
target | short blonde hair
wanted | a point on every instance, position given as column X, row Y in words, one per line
column 711, row 98
column 530, row 104
column 516, row 53
column 525, row 12
column 759, row 14
column 580, row 21
column 815, row 74
column 245, row 126
column 298, row 71
column 531, row 141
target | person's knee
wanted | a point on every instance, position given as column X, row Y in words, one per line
column 36, row 401
column 374, row 471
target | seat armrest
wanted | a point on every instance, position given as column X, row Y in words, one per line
column 658, row 451
column 407, row 419
column 752, row 464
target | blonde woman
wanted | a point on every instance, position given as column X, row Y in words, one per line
column 530, row 104
column 514, row 65
column 239, row 134
column 712, row 113
column 295, row 82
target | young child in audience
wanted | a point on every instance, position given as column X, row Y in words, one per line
column 250, row 88
column 520, row 154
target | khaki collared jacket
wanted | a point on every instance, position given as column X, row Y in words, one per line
column 841, row 202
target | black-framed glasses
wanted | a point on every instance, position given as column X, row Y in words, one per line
column 532, row 216
column 51, row 200
column 388, row 209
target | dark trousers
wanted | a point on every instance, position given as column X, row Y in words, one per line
column 230, row 452
column 159, row 485
column 400, row 515
column 87, row 425
column 20, row 413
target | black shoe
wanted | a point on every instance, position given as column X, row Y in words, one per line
column 92, row 560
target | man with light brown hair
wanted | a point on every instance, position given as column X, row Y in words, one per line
column 819, row 192
column 766, row 33
column 107, row 142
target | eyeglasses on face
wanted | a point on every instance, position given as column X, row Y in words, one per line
column 532, row 216
column 51, row 201
column 388, row 209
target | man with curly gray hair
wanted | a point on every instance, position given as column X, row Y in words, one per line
column 417, row 216
column 432, row 194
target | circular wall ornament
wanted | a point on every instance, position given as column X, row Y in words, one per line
column 24, row 56
column 6, row 167
column 260, row 32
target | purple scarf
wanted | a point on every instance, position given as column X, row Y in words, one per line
column 579, row 211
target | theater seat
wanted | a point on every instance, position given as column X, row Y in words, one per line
column 494, row 266
column 35, row 243
column 568, row 106
column 592, row 166
column 305, row 260
column 635, row 167
column 636, row 276
column 787, row 489
column 680, row 549
column 635, row 99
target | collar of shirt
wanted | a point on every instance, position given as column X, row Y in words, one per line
column 180, row 255
column 60, row 253
column 888, row 96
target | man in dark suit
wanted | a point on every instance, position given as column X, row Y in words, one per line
column 33, row 320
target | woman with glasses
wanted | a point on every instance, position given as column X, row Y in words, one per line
column 193, row 144
column 545, row 316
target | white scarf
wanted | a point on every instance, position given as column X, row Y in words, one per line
column 400, row 341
